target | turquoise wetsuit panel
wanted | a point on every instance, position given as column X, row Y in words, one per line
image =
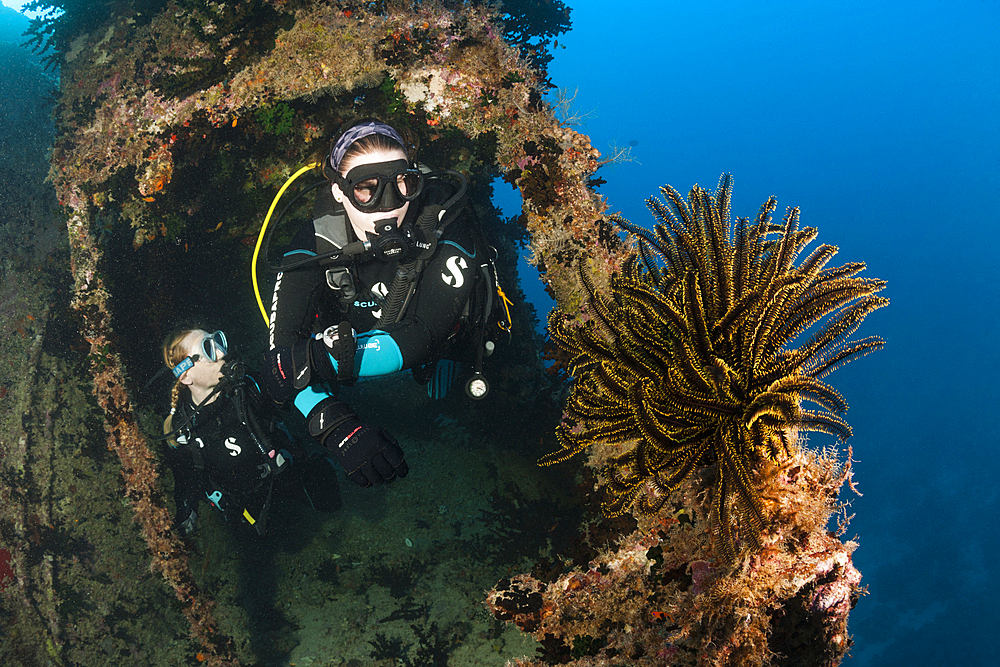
column 308, row 398
column 377, row 354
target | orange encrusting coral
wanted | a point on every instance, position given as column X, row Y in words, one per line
column 689, row 401
column 660, row 597
column 448, row 69
column 118, row 117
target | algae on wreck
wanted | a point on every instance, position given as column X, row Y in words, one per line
column 167, row 153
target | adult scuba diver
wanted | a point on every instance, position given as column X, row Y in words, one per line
column 226, row 443
column 390, row 275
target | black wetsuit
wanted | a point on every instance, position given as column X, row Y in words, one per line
column 238, row 459
column 430, row 328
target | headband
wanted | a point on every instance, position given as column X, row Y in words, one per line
column 359, row 132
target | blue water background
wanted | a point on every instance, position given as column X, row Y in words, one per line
column 881, row 120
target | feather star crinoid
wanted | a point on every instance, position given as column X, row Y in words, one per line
column 687, row 361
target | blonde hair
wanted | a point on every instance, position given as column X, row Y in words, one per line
column 173, row 354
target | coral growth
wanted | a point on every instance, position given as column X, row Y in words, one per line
column 661, row 596
column 177, row 121
column 689, row 396
column 690, row 364
column 438, row 70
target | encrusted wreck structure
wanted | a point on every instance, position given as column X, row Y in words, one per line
column 176, row 123
column 692, row 401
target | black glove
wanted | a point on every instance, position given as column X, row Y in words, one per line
column 368, row 453
column 277, row 374
column 287, row 370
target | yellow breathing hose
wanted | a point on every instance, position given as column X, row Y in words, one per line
column 263, row 231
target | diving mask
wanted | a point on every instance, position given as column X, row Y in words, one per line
column 213, row 347
column 381, row 186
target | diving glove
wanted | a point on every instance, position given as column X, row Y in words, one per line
column 369, row 454
column 278, row 373
column 288, row 370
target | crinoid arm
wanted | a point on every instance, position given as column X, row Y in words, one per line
column 690, row 360
column 823, row 365
column 570, row 443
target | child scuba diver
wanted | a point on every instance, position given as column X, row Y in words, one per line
column 226, row 443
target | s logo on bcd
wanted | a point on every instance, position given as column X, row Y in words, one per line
column 456, row 264
column 381, row 290
column 234, row 449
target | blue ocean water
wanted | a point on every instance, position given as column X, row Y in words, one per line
column 879, row 120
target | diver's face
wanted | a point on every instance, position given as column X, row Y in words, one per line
column 363, row 222
column 205, row 374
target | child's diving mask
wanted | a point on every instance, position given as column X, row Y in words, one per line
column 213, row 347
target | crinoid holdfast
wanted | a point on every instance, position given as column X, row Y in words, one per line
column 687, row 361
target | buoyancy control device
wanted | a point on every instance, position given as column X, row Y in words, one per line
column 411, row 245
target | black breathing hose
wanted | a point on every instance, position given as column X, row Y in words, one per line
column 397, row 293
